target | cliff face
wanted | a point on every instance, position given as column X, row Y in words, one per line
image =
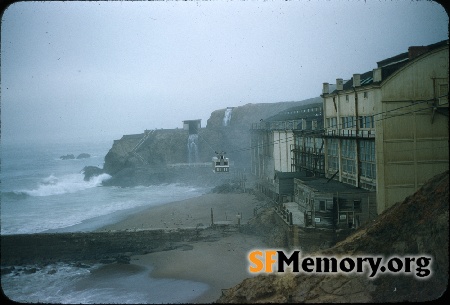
column 417, row 226
column 154, row 150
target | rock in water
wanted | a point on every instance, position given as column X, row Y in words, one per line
column 67, row 157
column 91, row 171
column 83, row 156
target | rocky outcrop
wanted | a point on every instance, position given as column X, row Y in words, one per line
column 83, row 156
column 67, row 157
column 72, row 156
column 143, row 158
column 417, row 226
column 91, row 171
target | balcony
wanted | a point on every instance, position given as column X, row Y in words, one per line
column 349, row 133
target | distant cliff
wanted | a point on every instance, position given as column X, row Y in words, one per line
column 151, row 151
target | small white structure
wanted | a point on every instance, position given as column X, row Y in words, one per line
column 220, row 164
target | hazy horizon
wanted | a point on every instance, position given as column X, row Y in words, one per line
column 77, row 71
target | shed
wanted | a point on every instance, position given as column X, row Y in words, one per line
column 284, row 184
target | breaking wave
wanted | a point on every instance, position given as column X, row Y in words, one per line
column 72, row 183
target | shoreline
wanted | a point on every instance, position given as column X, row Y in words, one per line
column 221, row 263
column 173, row 241
column 190, row 213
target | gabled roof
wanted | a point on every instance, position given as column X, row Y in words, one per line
column 392, row 64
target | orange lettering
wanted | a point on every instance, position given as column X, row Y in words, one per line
column 258, row 264
column 269, row 260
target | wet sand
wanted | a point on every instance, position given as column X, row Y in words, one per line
column 220, row 263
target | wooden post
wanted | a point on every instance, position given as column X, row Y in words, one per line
column 212, row 218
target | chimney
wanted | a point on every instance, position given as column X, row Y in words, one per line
column 326, row 88
column 356, row 80
column 413, row 52
column 339, row 84
column 377, row 75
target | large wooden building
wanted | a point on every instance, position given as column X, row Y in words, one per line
column 387, row 129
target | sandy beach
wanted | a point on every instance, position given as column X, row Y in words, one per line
column 221, row 263
column 191, row 212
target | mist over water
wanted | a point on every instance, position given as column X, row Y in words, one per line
column 41, row 192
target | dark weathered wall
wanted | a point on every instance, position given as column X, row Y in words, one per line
column 46, row 248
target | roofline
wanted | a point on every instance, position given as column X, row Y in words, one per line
column 413, row 61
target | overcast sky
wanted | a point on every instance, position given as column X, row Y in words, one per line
column 78, row 71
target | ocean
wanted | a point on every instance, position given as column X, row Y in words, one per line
column 40, row 192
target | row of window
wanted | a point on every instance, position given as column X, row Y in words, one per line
column 328, row 205
column 315, row 109
column 348, row 156
column 348, row 149
column 351, row 121
column 310, row 124
column 295, row 124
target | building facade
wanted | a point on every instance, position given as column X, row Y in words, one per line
column 284, row 146
column 333, row 205
column 386, row 130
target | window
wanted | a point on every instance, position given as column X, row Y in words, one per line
column 332, row 154
column 314, row 125
column 366, row 94
column 367, row 159
column 348, row 156
column 333, row 123
column 357, row 205
column 322, row 205
column 346, row 98
column 348, row 122
column 366, row 122
column 443, row 94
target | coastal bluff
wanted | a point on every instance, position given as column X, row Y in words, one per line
column 162, row 155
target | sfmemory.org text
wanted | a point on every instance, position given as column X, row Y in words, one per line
column 276, row 260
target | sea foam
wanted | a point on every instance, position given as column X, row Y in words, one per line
column 70, row 183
